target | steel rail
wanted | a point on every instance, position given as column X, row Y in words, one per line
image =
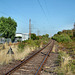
column 25, row 60
column 44, row 60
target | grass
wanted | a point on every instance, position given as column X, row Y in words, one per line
column 7, row 58
column 4, row 58
column 66, row 61
column 20, row 51
column 66, row 64
column 66, row 56
column 70, row 48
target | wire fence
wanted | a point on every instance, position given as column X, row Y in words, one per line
column 3, row 40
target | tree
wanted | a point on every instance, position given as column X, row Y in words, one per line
column 62, row 37
column 33, row 36
column 8, row 27
column 46, row 36
column 69, row 32
column 37, row 37
column 59, row 32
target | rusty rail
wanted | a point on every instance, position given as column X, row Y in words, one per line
column 25, row 61
column 44, row 60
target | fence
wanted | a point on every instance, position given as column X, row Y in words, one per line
column 3, row 40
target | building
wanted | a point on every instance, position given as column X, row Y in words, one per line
column 21, row 36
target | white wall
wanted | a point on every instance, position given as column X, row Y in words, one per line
column 24, row 36
column 18, row 34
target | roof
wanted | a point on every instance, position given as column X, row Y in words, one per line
column 22, row 33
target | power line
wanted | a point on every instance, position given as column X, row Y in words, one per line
column 43, row 10
column 38, row 31
column 46, row 6
column 3, row 13
column 41, row 7
column 10, row 16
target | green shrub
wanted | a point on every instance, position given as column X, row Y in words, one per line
column 18, row 40
column 62, row 38
column 31, row 43
column 37, row 42
column 21, row 47
column 33, row 36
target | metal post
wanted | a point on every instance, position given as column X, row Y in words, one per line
column 38, row 32
column 29, row 28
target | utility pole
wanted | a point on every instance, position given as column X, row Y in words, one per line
column 74, row 26
column 38, row 32
column 29, row 28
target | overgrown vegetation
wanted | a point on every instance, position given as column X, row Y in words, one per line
column 34, row 42
column 62, row 38
column 66, row 60
column 34, row 37
column 22, row 49
column 66, row 64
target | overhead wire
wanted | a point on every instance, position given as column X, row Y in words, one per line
column 46, row 6
column 3, row 13
column 42, row 9
column 47, row 12
column 10, row 16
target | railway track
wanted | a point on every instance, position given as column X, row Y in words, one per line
column 33, row 64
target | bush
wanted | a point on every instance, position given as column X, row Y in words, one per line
column 21, row 47
column 62, row 38
column 37, row 43
column 18, row 40
column 33, row 36
column 32, row 43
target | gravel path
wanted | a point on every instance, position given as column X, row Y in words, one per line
column 50, row 65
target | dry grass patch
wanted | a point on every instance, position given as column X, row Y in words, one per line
column 20, row 51
column 22, row 55
column 66, row 64
column 7, row 58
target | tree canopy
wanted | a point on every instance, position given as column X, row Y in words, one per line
column 8, row 27
column 46, row 36
column 33, row 36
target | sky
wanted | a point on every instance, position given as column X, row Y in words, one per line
column 47, row 16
